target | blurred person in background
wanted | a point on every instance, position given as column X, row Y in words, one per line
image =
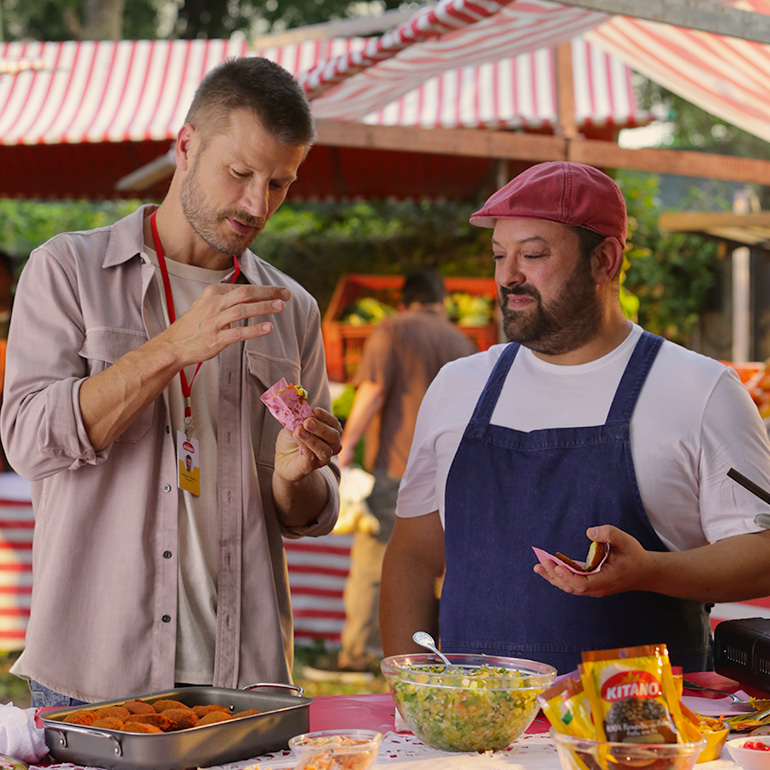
column 400, row 359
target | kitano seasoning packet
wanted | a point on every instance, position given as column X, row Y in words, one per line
column 633, row 695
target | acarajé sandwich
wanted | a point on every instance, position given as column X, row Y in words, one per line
column 597, row 555
column 288, row 404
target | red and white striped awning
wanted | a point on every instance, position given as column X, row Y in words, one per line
column 132, row 91
column 438, row 38
column 126, row 91
column 458, row 63
column 728, row 77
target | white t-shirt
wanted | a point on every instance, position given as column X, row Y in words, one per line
column 198, row 526
column 694, row 420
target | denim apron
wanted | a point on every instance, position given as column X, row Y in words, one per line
column 508, row 490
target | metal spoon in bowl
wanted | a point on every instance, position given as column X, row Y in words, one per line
column 424, row 639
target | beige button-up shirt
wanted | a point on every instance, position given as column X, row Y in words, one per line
column 103, row 619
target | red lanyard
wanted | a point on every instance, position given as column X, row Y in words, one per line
column 186, row 387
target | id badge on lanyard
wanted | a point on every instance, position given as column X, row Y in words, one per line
column 188, row 456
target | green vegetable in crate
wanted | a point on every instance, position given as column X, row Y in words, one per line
column 367, row 310
column 471, row 309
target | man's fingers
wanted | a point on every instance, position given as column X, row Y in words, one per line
column 245, row 310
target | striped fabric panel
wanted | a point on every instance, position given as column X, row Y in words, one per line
column 102, row 91
column 520, row 92
column 16, row 528
column 727, row 77
column 140, row 90
column 389, row 68
column 318, row 568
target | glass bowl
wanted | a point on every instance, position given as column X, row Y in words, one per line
column 582, row 754
column 750, row 759
column 336, row 749
column 486, row 704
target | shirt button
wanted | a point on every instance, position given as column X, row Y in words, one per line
column 167, row 487
column 166, row 618
column 168, row 429
column 166, row 554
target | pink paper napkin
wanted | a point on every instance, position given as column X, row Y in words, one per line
column 286, row 405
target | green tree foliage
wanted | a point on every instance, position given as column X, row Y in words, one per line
column 316, row 243
column 221, row 18
column 313, row 243
column 667, row 275
column 671, row 274
column 78, row 19
column 26, row 224
column 147, row 19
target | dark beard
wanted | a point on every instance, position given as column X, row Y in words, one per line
column 564, row 324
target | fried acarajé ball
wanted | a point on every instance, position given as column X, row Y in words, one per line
column 246, row 713
column 201, row 711
column 159, row 720
column 81, row 717
column 109, row 723
column 214, row 716
column 162, row 705
column 141, row 727
column 113, row 711
column 182, row 718
column 137, row 706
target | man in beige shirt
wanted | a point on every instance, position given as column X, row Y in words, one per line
column 134, row 345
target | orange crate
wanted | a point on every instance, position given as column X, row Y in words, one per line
column 344, row 343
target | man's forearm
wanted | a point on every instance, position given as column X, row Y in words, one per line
column 408, row 601
column 299, row 503
column 366, row 405
column 112, row 399
column 731, row 570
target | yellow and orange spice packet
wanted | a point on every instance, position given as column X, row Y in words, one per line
column 628, row 694
column 633, row 695
column 566, row 706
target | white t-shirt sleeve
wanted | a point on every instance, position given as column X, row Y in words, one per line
column 733, row 436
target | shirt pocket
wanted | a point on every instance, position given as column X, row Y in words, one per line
column 263, row 373
column 102, row 348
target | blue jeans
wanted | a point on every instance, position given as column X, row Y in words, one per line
column 42, row 696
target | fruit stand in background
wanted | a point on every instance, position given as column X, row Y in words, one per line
column 362, row 301
column 756, row 377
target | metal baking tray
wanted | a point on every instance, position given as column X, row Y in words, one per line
column 284, row 714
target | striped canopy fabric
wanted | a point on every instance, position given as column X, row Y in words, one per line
column 728, row 77
column 134, row 91
column 438, row 38
column 127, row 91
column 520, row 93
column 112, row 107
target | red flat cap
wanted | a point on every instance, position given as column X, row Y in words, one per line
column 560, row 191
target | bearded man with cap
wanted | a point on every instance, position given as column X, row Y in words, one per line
column 582, row 425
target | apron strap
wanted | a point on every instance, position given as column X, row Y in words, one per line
column 482, row 414
column 633, row 378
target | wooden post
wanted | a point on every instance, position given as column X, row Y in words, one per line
column 566, row 127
